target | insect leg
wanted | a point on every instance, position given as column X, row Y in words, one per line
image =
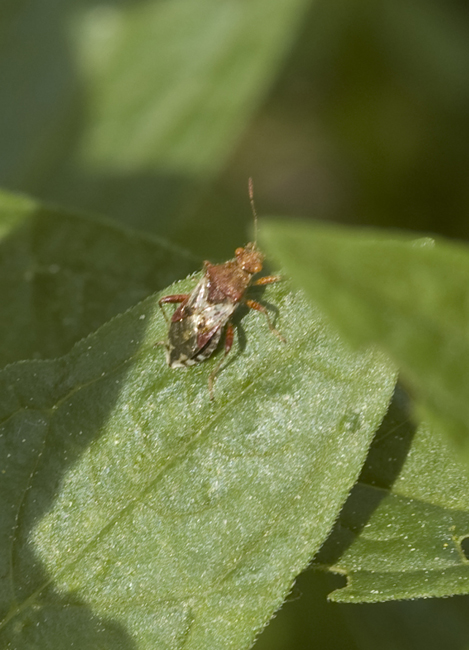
column 175, row 298
column 252, row 304
column 229, row 336
column 267, row 279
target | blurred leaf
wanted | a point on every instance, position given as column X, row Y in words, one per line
column 410, row 296
column 399, row 534
column 64, row 275
column 135, row 509
column 125, row 106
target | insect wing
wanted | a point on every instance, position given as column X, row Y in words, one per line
column 195, row 337
column 207, row 317
column 182, row 342
column 183, row 332
column 212, row 319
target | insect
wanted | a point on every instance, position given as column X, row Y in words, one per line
column 197, row 324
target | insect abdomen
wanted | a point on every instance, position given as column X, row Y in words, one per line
column 182, row 348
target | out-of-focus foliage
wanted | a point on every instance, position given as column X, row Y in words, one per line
column 155, row 113
column 410, row 296
column 130, row 107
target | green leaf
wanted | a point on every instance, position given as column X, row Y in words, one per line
column 63, row 275
column 135, row 513
column 125, row 107
column 408, row 295
column 400, row 532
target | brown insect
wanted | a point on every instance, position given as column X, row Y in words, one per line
column 196, row 326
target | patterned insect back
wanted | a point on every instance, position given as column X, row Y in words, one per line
column 196, row 326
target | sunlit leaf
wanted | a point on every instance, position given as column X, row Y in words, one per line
column 135, row 513
column 411, row 296
column 400, row 533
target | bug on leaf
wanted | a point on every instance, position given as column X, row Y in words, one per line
column 196, row 326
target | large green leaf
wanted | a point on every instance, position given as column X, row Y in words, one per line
column 63, row 275
column 399, row 534
column 135, row 513
column 410, row 296
column 124, row 107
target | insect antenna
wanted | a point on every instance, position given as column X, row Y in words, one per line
column 253, row 207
